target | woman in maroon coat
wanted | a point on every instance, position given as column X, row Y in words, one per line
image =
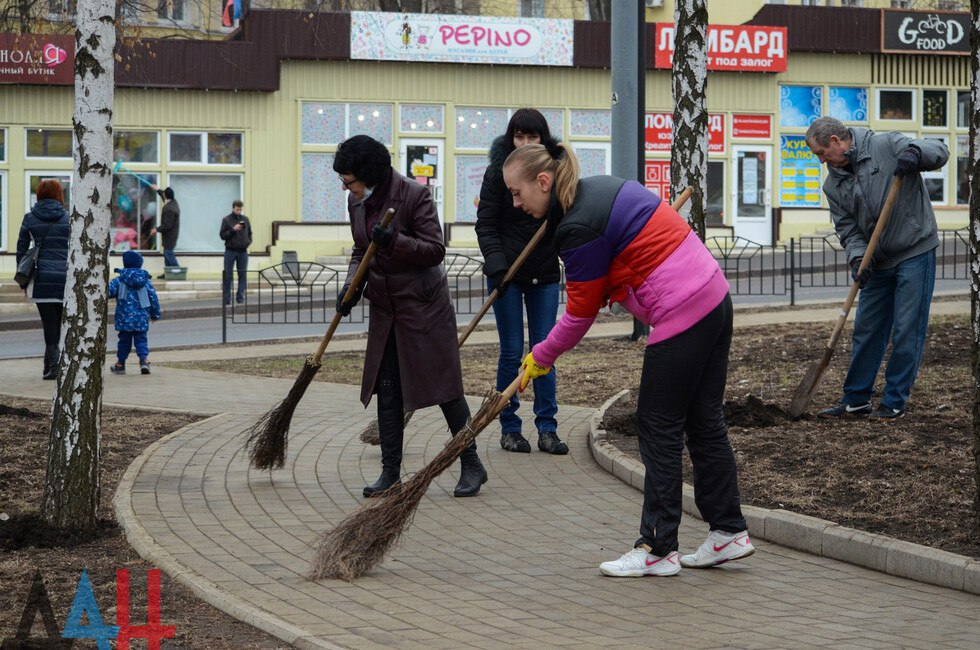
column 412, row 358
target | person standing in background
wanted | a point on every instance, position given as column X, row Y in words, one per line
column 169, row 226
column 236, row 231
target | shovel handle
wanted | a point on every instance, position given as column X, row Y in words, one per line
column 886, row 212
column 355, row 283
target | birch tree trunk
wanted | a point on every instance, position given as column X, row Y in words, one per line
column 71, row 488
column 689, row 79
column 975, row 240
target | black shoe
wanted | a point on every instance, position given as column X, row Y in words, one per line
column 161, row 276
column 514, row 441
column 550, row 442
column 144, row 367
column 885, row 413
column 384, row 482
column 841, row 410
column 240, row 301
column 473, row 474
column 118, row 369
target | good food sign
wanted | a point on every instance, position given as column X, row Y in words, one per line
column 37, row 59
column 925, row 31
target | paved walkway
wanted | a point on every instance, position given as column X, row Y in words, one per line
column 513, row 567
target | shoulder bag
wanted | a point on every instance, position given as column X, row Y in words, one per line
column 28, row 264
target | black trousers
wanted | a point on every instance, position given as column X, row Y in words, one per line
column 51, row 321
column 682, row 390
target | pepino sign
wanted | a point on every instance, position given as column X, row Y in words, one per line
column 738, row 48
column 37, row 59
column 384, row 36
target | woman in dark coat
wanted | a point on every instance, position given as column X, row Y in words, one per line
column 503, row 231
column 412, row 358
column 47, row 224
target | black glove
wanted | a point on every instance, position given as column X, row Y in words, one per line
column 907, row 162
column 862, row 277
column 345, row 307
column 499, row 284
column 382, row 235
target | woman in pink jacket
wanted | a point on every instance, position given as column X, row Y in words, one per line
column 621, row 243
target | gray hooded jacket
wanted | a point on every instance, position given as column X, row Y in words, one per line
column 856, row 198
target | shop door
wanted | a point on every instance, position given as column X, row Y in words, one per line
column 751, row 192
column 422, row 161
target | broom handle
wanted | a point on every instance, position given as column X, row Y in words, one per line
column 886, row 212
column 355, row 282
column 531, row 245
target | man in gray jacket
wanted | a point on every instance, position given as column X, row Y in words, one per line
column 896, row 288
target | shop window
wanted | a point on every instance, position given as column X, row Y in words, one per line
column 469, row 181
column 595, row 158
column 848, row 104
column 936, row 180
column 590, row 123
column 34, row 179
column 62, row 8
column 800, row 106
column 375, row 120
column 934, row 108
column 3, row 210
column 3, row 145
column 323, row 123
column 204, row 200
column 136, row 146
column 49, row 143
column 963, row 109
column 477, row 127
column 556, row 121
column 421, row 118
column 324, row 196
column 896, row 104
column 206, row 148
column 133, row 212
column 170, row 10
column 715, row 200
column 962, row 170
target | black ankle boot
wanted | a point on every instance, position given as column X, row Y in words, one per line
column 51, row 354
column 472, row 475
column 385, row 481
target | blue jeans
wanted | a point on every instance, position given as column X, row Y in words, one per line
column 541, row 301
column 894, row 304
column 126, row 342
column 169, row 259
column 235, row 259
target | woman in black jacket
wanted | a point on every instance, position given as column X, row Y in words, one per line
column 47, row 225
column 503, row 231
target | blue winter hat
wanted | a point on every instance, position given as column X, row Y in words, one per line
column 132, row 260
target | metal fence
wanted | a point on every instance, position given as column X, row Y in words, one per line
column 306, row 292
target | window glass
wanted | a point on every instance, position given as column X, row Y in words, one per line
column 3, row 208
column 224, row 148
column 848, row 104
column 135, row 146
column 716, row 193
column 556, row 122
column 421, row 118
column 477, row 127
column 936, row 180
column 895, row 105
column 962, row 170
column 204, row 200
column 34, row 179
column 324, row 197
column 185, row 147
column 3, row 145
column 592, row 160
column 49, row 143
column 469, row 180
column 963, row 109
column 934, row 108
column 375, row 120
column 799, row 106
column 133, row 212
column 170, row 9
column 323, row 123
column 590, row 123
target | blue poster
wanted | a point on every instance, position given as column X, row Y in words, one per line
column 799, row 173
column 799, row 105
column 848, row 104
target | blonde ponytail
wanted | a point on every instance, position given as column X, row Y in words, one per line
column 561, row 162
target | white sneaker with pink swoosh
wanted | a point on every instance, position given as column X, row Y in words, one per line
column 638, row 563
column 720, row 547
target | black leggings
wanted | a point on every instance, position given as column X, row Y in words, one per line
column 51, row 321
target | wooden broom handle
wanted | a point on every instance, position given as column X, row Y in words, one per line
column 886, row 212
column 355, row 283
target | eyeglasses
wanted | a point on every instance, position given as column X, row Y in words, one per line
column 347, row 184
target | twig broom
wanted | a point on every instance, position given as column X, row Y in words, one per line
column 362, row 540
column 266, row 444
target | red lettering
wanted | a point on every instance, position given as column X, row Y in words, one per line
column 153, row 631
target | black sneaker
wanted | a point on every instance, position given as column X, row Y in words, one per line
column 144, row 367
column 842, row 410
column 118, row 369
column 550, row 442
column 514, row 441
column 885, row 413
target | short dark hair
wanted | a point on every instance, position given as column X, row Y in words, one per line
column 527, row 120
column 169, row 194
column 822, row 128
column 50, row 188
column 364, row 158
column 237, row 203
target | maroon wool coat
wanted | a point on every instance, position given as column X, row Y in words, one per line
column 409, row 292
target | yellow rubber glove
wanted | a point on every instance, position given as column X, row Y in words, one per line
column 532, row 370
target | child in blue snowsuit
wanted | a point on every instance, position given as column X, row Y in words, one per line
column 136, row 305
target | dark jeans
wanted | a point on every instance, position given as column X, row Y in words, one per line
column 894, row 304
column 50, row 313
column 169, row 258
column 541, row 302
column 126, row 342
column 234, row 259
column 681, row 391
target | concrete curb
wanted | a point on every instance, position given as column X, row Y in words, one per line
column 816, row 536
column 201, row 587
